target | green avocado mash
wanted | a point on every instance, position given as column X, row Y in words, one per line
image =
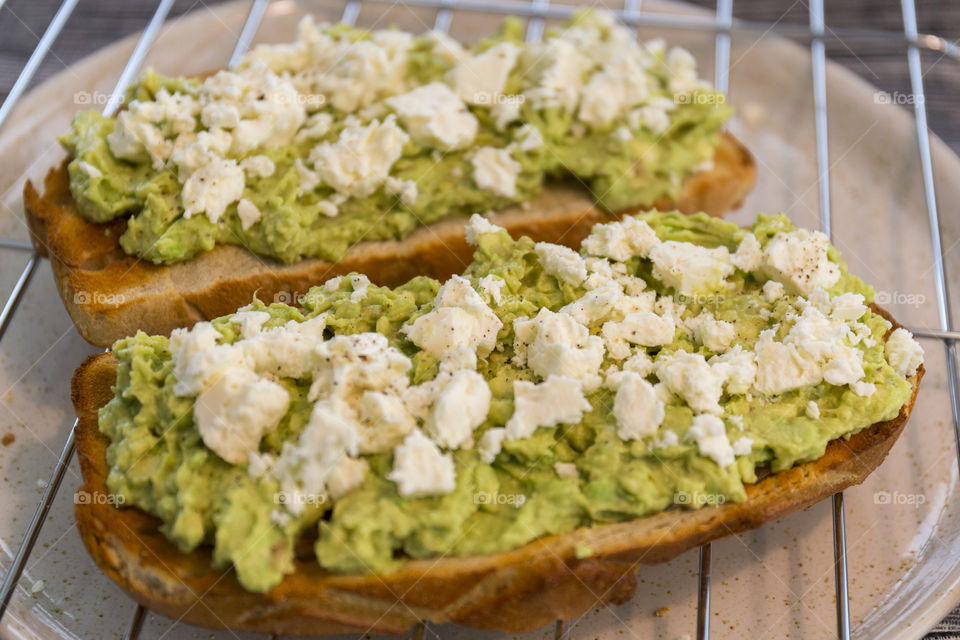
column 628, row 158
column 158, row 461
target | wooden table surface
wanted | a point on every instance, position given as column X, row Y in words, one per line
column 99, row 22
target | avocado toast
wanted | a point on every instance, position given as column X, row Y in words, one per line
column 350, row 150
column 499, row 451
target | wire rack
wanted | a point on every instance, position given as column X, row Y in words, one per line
column 721, row 25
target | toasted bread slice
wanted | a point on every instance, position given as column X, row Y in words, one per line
column 110, row 294
column 515, row 591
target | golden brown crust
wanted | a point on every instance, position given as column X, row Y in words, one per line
column 110, row 294
column 515, row 591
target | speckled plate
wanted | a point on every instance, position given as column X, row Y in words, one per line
column 902, row 525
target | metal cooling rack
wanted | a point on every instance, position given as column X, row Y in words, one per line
column 536, row 11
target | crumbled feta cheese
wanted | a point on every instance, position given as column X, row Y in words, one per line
column 492, row 286
column 555, row 69
column 406, row 189
column 477, row 226
column 847, row 307
column 383, row 420
column 346, row 476
column 436, row 117
column 621, row 84
column 462, row 406
column 563, row 263
column 557, row 400
column 496, row 171
column 748, row 254
column 235, row 410
column 258, row 166
column 421, row 469
column 460, row 317
column 360, row 160
column 799, row 261
column 903, row 353
column 690, row 268
column 480, row 79
column 491, row 442
column 621, row 240
column 689, row 376
column 644, row 328
column 636, row 407
column 87, row 168
column 711, row 437
column 285, row 352
column 639, row 363
column 595, row 305
column 737, row 367
column 212, row 188
column 554, row 344
column 716, row 335
column 248, row 212
column 812, row 410
column 136, row 140
column 772, row 290
column 530, row 137
column 250, row 322
column 314, row 127
column 198, row 358
column 743, row 446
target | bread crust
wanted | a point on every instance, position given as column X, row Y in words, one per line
column 110, row 294
column 515, row 591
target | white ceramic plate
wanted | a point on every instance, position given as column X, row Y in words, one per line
column 774, row 582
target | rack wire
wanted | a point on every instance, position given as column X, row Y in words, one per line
column 722, row 24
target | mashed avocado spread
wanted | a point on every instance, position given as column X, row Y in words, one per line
column 544, row 390
column 345, row 135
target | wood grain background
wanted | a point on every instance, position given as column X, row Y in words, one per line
column 99, row 22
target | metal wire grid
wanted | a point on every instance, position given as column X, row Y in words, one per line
column 722, row 24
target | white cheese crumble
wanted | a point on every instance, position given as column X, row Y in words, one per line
column 748, row 254
column 555, row 344
column 716, row 335
column 496, row 171
column 636, row 407
column 812, row 410
column 566, row 469
column 435, row 117
column 480, row 79
column 460, row 317
column 249, row 213
column 561, row 262
column 689, row 376
column 621, row 240
column 492, row 286
column 491, row 443
column 235, row 410
column 642, row 328
column 772, row 291
column 212, row 188
column 690, row 268
column 478, row 226
column 710, row 435
column 557, row 400
column 903, row 353
column 360, row 160
column 799, row 261
column 421, row 469
column 462, row 406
